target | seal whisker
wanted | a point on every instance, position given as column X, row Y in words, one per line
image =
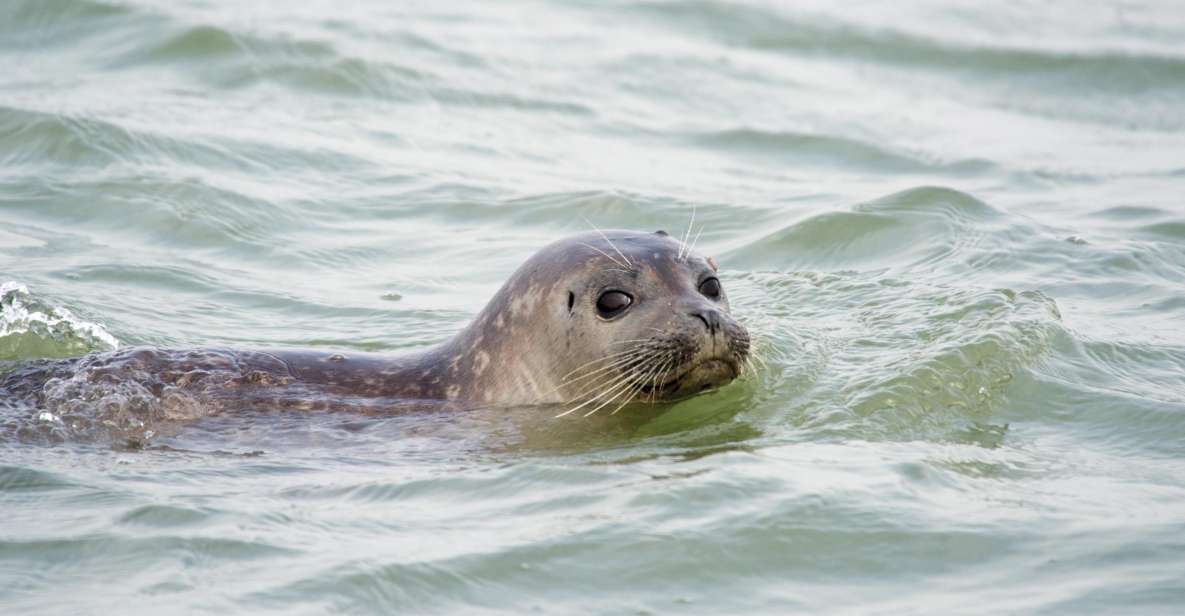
column 625, row 361
column 749, row 363
column 598, row 377
column 630, row 394
column 611, row 244
column 593, row 372
column 687, row 234
column 639, row 385
column 600, row 383
column 598, row 389
column 633, row 392
column 662, row 378
column 759, row 359
column 670, row 366
column 620, row 390
column 599, row 359
column 607, row 255
column 597, row 382
column 654, row 380
column 694, row 241
column 628, row 385
column 614, row 387
column 662, row 361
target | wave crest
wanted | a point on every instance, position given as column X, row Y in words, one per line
column 31, row 328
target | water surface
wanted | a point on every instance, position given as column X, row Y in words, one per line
column 956, row 230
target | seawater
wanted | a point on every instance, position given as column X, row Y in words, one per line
column 956, row 230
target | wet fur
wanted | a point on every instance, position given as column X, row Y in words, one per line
column 537, row 341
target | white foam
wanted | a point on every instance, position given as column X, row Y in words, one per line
column 21, row 313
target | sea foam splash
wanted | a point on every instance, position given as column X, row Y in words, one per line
column 31, row 328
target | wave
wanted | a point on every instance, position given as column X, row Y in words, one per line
column 15, row 479
column 41, row 22
column 32, row 328
column 831, row 151
column 909, row 229
column 887, row 357
column 765, row 29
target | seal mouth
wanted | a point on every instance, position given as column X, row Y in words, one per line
column 695, row 378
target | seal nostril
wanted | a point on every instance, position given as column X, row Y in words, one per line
column 714, row 321
column 710, row 319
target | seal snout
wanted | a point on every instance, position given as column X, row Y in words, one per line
column 710, row 318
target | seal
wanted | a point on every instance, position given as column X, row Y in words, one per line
column 594, row 321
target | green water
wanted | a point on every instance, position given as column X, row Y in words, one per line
column 955, row 229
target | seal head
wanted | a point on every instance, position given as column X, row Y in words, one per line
column 599, row 320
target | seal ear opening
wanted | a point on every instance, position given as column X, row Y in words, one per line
column 571, row 301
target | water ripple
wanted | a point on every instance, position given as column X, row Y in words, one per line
column 954, row 230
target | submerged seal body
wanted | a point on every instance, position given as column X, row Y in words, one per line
column 593, row 321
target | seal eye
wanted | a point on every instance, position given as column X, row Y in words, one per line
column 710, row 288
column 613, row 303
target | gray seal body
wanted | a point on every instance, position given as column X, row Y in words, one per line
column 593, row 320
